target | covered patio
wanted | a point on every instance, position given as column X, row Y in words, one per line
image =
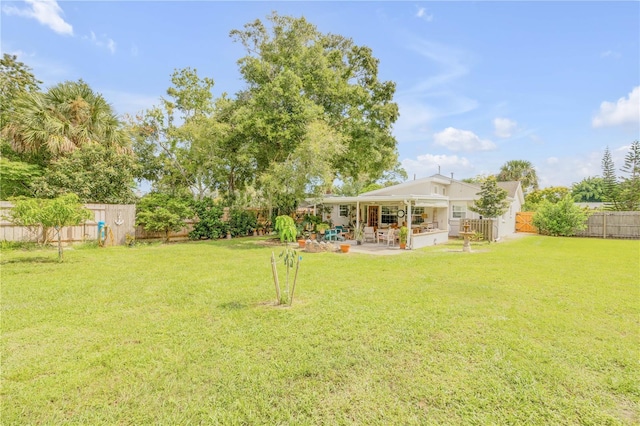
column 425, row 215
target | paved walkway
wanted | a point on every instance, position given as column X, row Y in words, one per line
column 373, row 248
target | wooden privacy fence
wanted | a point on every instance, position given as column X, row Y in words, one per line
column 487, row 227
column 180, row 235
column 119, row 220
column 612, row 225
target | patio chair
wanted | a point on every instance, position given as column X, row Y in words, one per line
column 370, row 234
column 392, row 236
column 333, row 235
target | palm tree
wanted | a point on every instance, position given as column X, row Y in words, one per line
column 66, row 117
column 520, row 170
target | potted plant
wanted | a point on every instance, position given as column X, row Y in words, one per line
column 358, row 233
column 309, row 222
column 322, row 227
column 404, row 234
column 300, row 236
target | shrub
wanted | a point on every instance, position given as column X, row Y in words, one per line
column 242, row 222
column 162, row 213
column 563, row 218
column 210, row 224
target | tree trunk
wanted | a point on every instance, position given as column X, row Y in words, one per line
column 60, row 255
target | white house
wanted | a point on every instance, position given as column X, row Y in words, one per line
column 431, row 207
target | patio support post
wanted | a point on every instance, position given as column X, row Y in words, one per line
column 410, row 235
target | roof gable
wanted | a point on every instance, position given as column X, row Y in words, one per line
column 513, row 188
column 401, row 187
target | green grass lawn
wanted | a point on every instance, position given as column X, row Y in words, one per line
column 537, row 330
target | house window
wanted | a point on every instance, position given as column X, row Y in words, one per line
column 389, row 214
column 458, row 212
column 344, row 210
column 417, row 216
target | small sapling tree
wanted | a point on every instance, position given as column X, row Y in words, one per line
column 57, row 213
column 287, row 231
column 493, row 199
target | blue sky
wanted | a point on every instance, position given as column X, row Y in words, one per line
column 478, row 83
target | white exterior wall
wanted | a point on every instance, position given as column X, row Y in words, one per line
column 429, row 239
column 508, row 219
column 335, row 217
column 461, row 190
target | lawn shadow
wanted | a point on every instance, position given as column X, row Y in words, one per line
column 253, row 244
column 36, row 259
column 232, row 305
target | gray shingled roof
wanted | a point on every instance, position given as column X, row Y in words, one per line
column 511, row 187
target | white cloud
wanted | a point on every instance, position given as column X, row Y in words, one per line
column 422, row 14
column 626, row 110
column 504, row 127
column 49, row 71
column 431, row 97
column 536, row 139
column 102, row 41
column 565, row 170
column 111, row 45
column 427, row 165
column 452, row 63
column 611, row 54
column 47, row 12
column 413, row 123
column 462, row 140
column 20, row 54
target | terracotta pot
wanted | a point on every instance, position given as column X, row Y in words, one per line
column 301, row 243
column 403, row 246
column 344, row 248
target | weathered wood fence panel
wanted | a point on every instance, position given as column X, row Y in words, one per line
column 119, row 220
column 484, row 226
column 612, row 225
column 181, row 235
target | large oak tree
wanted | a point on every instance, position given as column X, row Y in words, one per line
column 297, row 75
